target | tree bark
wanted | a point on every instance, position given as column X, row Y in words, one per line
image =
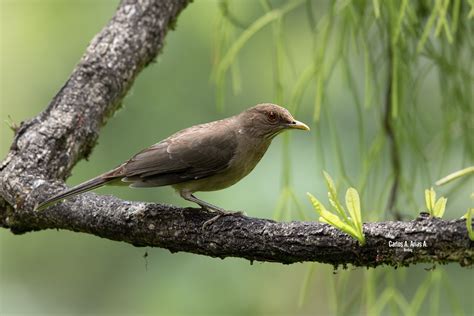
column 46, row 148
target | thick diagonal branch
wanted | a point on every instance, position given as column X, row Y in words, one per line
column 46, row 148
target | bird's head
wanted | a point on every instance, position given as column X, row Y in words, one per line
column 268, row 120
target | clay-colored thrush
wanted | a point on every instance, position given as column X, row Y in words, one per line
column 205, row 157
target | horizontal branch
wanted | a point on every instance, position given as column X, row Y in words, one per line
column 424, row 239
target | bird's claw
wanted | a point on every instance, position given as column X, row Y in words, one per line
column 221, row 214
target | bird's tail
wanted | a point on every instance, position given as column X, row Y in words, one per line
column 80, row 188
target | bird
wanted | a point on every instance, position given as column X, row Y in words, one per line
column 206, row 157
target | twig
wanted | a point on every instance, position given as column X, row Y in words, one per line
column 389, row 131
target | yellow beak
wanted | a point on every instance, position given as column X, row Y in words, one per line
column 298, row 125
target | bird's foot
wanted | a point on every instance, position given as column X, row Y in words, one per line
column 220, row 214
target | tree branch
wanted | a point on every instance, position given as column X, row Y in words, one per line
column 181, row 229
column 388, row 123
column 46, row 148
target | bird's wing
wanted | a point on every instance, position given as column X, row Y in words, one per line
column 194, row 153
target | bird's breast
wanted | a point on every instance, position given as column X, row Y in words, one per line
column 244, row 161
column 247, row 157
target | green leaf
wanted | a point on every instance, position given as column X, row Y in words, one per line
column 469, row 223
column 335, row 204
column 329, row 183
column 353, row 206
column 318, row 206
column 430, row 198
column 322, row 220
column 435, row 208
column 330, row 218
column 350, row 225
column 332, row 194
column 334, row 220
column 440, row 207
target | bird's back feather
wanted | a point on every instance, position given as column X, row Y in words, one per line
column 194, row 153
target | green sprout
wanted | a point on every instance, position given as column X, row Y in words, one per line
column 435, row 208
column 348, row 222
column 468, row 217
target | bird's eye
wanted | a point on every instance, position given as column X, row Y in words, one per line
column 272, row 117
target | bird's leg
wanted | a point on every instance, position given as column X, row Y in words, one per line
column 207, row 206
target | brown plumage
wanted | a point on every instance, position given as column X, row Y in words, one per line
column 205, row 157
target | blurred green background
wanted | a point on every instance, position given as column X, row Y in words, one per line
column 61, row 272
